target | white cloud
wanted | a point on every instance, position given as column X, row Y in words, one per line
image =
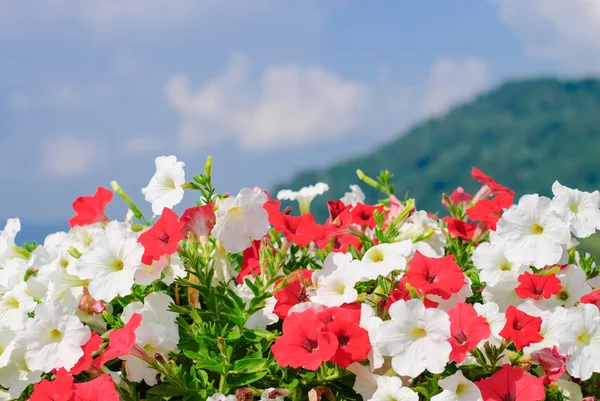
column 451, row 82
column 559, row 30
column 289, row 105
column 70, row 156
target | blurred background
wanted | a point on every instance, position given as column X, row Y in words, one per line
column 286, row 93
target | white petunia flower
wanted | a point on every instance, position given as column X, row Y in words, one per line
column 221, row 266
column 7, row 345
column 16, row 376
column 334, row 284
column 490, row 259
column 584, row 336
column 534, row 233
column 457, row 388
column 221, row 397
column 370, row 322
column 157, row 333
column 146, row 274
column 581, row 210
column 174, row 270
column 355, row 196
column 553, row 328
column 12, row 273
column 573, row 281
column 111, row 264
column 496, row 319
column 419, row 225
column 14, row 307
column 382, row 259
column 456, row 297
column 263, row 317
column 570, row 391
column 241, row 219
column 165, row 188
column 414, row 330
column 304, row 196
column 503, row 293
column 8, row 249
column 53, row 338
column 389, row 388
column 365, row 382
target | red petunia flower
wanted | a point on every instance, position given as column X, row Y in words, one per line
column 90, row 209
column 349, row 312
column 398, row 293
column 121, row 341
column 305, row 342
column 488, row 181
column 272, row 206
column 162, row 238
column 336, row 208
column 301, row 230
column 362, row 214
column 250, row 262
column 521, row 328
column 60, row 389
column 198, row 222
column 437, row 276
column 553, row 363
column 353, row 342
column 460, row 229
column 101, row 388
column 292, row 294
column 459, row 196
column 489, row 211
column 592, row 298
column 536, row 286
column 511, row 384
column 467, row 329
column 85, row 362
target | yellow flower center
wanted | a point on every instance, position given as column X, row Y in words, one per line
column 235, row 212
column 562, row 295
column 537, row 229
column 13, row 302
column 55, row 335
column 118, row 265
column 584, row 339
column 574, row 207
column 417, row 333
column 505, row 265
column 375, row 255
column 461, row 388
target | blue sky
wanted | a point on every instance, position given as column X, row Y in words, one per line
column 92, row 91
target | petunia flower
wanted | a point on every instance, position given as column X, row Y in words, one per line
column 165, row 188
column 534, row 233
column 162, row 238
column 574, row 287
column 305, row 342
column 353, row 342
column 293, row 293
column 101, row 388
column 437, row 276
column 241, row 219
column 522, row 329
column 490, row 186
column 356, row 195
column 111, row 264
column 301, row 230
column 59, row 389
column 583, row 336
column 390, row 388
column 489, row 211
column 490, row 259
column 304, row 196
column 15, row 305
column 121, row 342
column 457, row 387
column 198, row 222
column 363, row 215
column 459, row 197
column 53, row 338
column 467, row 330
column 414, row 330
column 552, row 362
column 512, row 384
column 383, row 259
column 580, row 209
column 536, row 286
column 90, row 209
column 460, row 229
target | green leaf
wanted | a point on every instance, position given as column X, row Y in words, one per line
column 245, row 378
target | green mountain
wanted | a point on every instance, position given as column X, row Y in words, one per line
column 525, row 134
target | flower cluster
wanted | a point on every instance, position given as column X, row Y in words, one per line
column 240, row 297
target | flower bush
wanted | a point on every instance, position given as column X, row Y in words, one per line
column 239, row 299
